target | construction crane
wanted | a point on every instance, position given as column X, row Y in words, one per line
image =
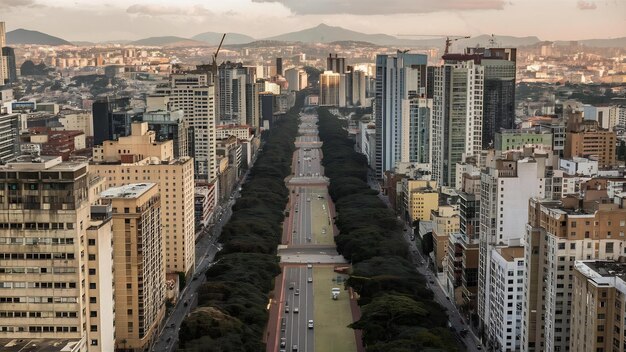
column 449, row 38
column 214, row 63
column 449, row 41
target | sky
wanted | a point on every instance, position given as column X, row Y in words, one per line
column 91, row 20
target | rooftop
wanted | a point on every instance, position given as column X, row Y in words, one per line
column 133, row 190
column 510, row 253
column 601, row 272
column 41, row 163
column 40, row 345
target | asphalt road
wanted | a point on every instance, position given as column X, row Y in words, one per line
column 421, row 264
column 297, row 332
column 206, row 249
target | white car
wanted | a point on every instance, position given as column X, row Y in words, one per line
column 309, row 266
column 310, row 324
column 310, row 279
column 296, row 311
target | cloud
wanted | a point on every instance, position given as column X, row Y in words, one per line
column 9, row 4
column 378, row 7
column 586, row 5
column 161, row 10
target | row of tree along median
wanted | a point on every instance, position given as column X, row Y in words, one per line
column 397, row 309
column 231, row 313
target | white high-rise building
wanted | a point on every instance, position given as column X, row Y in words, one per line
column 504, row 326
column 506, row 185
column 399, row 78
column 297, row 79
column 195, row 95
column 457, row 115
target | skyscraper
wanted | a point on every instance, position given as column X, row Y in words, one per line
column 55, row 256
column 111, row 119
column 332, row 89
column 195, row 95
column 232, row 93
column 457, row 114
column 8, row 65
column 399, row 79
column 279, row 66
column 506, row 184
column 336, row 64
column 498, row 91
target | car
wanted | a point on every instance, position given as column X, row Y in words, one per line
column 310, row 279
column 309, row 266
column 283, row 342
column 479, row 347
column 297, row 293
column 286, row 309
column 310, row 325
column 296, row 310
column 294, row 348
column 292, row 285
column 308, row 199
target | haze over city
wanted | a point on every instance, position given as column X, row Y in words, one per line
column 123, row 20
column 313, row 176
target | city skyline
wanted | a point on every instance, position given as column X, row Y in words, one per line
column 119, row 20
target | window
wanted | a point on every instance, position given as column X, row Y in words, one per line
column 92, row 271
column 562, row 245
column 93, row 313
column 94, row 342
column 93, row 327
column 92, row 285
column 91, row 241
column 609, row 247
column 92, row 257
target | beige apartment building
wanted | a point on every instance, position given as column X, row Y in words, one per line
column 558, row 234
column 140, row 158
column 55, row 258
column 139, row 266
column 586, row 138
column 420, row 198
column 445, row 222
column 598, row 307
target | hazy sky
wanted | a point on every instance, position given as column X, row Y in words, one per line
column 133, row 19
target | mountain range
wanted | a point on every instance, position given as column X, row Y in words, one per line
column 320, row 34
column 25, row 36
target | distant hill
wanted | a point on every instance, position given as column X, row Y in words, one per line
column 325, row 34
column 330, row 34
column 601, row 43
column 167, row 41
column 25, row 36
column 214, row 38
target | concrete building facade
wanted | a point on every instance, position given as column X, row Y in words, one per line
column 140, row 158
column 139, row 266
